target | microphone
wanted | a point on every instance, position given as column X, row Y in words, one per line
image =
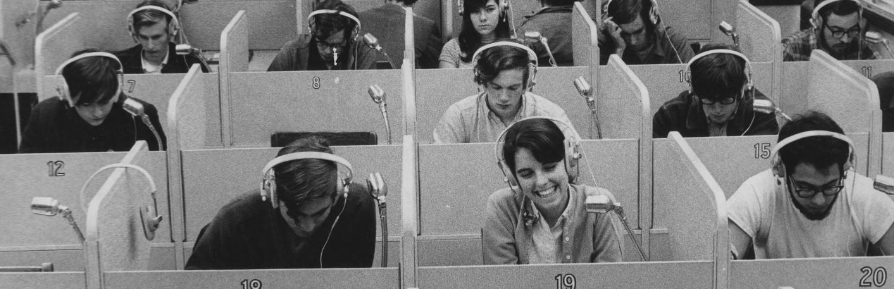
column 767, row 106
column 730, row 31
column 376, row 186
column 186, row 49
column 536, row 37
column 602, row 204
column 585, row 90
column 875, row 37
column 378, row 96
column 47, row 206
column 372, row 42
column 136, row 109
column 884, row 184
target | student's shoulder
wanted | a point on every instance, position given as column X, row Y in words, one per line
column 300, row 42
column 505, row 199
column 245, row 208
column 49, row 106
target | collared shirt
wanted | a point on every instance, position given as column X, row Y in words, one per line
column 547, row 241
column 798, row 47
column 668, row 47
column 686, row 115
column 471, row 120
column 150, row 68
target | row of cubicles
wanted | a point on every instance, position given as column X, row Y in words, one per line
column 219, row 124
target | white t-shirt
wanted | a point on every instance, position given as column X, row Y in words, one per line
column 764, row 210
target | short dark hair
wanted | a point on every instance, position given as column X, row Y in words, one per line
column 543, row 138
column 407, row 2
column 151, row 17
column 840, row 8
column 718, row 76
column 92, row 79
column 559, row 2
column 300, row 180
column 469, row 39
column 499, row 58
column 626, row 11
column 327, row 24
column 885, row 84
column 819, row 152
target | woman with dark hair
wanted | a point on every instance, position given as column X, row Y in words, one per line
column 484, row 21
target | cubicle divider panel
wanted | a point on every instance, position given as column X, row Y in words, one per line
column 811, row 273
column 49, row 280
column 234, row 57
column 888, row 154
column 278, row 278
column 623, row 103
column 56, row 44
column 197, row 113
column 437, row 89
column 760, row 37
column 17, row 34
column 584, row 43
column 606, row 275
column 870, row 68
column 264, row 103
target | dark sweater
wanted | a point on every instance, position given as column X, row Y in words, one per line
column 55, row 128
column 133, row 64
column 686, row 115
column 248, row 233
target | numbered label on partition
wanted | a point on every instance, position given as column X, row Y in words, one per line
column 867, row 71
column 873, row 277
column 251, row 284
column 316, row 82
column 54, row 168
column 566, row 281
column 684, row 76
column 131, row 84
column 762, row 150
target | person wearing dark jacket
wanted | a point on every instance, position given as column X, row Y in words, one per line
column 553, row 22
column 301, row 218
column 89, row 114
column 720, row 101
column 153, row 27
column 387, row 23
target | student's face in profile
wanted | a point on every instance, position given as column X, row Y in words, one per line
column 504, row 93
column 848, row 28
column 546, row 184
column 332, row 44
column 807, row 176
column 305, row 218
column 635, row 35
column 154, row 39
column 94, row 113
column 486, row 18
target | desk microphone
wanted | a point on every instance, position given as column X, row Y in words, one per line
column 586, row 91
column 378, row 96
column 376, row 186
column 5, row 50
column 50, row 207
column 136, row 109
column 767, row 106
column 730, row 31
column 602, row 204
column 373, row 42
column 536, row 37
column 186, row 49
column 875, row 37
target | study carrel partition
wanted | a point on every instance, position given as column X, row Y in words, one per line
column 888, row 154
column 856, row 272
column 761, row 41
column 233, row 58
column 795, row 79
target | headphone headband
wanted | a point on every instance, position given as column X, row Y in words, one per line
column 806, row 134
column 819, row 7
column 338, row 12
column 532, row 56
column 719, row 51
column 308, row 155
column 62, row 85
column 89, row 54
column 150, row 7
column 563, row 126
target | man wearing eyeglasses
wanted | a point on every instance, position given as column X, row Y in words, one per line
column 837, row 30
column 333, row 43
column 813, row 206
column 719, row 102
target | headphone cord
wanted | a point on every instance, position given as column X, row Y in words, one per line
column 332, row 229
column 677, row 53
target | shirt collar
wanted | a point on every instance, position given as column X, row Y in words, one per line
column 522, row 110
column 696, row 119
column 146, row 63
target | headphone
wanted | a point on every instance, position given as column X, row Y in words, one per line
column 815, row 20
column 173, row 24
column 749, row 86
column 779, row 166
column 354, row 33
column 572, row 152
column 62, row 86
column 268, row 183
column 654, row 17
column 532, row 61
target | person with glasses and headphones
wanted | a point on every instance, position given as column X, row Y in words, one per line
column 837, row 27
column 153, row 27
column 306, row 214
column 333, row 43
column 90, row 114
column 542, row 216
column 719, row 102
column 812, row 203
column 633, row 30
column 505, row 72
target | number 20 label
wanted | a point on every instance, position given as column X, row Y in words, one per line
column 873, row 277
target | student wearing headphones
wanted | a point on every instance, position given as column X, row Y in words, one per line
column 505, row 73
column 837, row 28
column 719, row 102
column 305, row 215
column 542, row 217
column 484, row 22
column 810, row 204
column 89, row 114
column 333, row 43
column 633, row 30
column 153, row 27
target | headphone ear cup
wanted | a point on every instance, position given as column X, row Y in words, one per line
column 64, row 93
column 572, row 160
column 653, row 14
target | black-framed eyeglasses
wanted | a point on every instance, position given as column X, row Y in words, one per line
column 837, row 33
column 322, row 45
column 709, row 101
column 810, row 192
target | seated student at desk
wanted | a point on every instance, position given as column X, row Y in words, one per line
column 92, row 113
column 333, row 43
column 153, row 27
column 305, row 215
column 505, row 71
column 484, row 21
column 719, row 102
column 838, row 29
column 542, row 217
column 553, row 22
column 633, row 30
column 810, row 204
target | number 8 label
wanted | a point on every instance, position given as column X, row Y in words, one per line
column 316, row 82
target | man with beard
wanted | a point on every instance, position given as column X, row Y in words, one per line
column 838, row 28
column 810, row 204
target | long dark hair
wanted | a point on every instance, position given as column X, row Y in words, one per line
column 469, row 39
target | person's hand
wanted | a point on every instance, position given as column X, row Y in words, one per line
column 614, row 31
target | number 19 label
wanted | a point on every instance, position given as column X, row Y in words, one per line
column 565, row 281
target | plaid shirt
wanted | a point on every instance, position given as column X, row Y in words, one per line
column 798, row 47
